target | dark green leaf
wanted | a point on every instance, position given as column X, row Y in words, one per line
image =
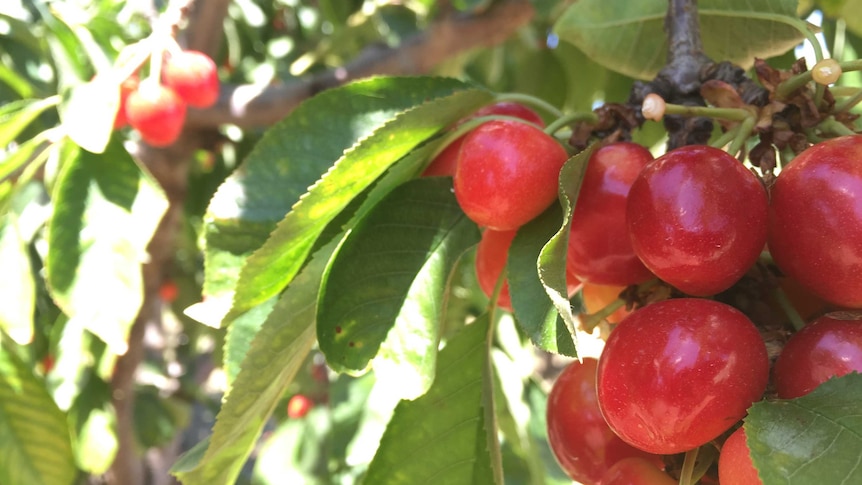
column 387, row 282
column 534, row 311
column 629, row 37
column 272, row 361
column 816, row 438
column 447, row 435
column 106, row 211
column 273, row 265
column 35, row 448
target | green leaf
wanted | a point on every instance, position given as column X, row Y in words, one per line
column 273, row 265
column 387, row 282
column 276, row 354
column 16, row 285
column 447, row 435
column 812, row 439
column 106, row 211
column 534, row 311
column 17, row 115
column 35, row 448
column 552, row 258
column 629, row 37
column 240, row 335
column 88, row 112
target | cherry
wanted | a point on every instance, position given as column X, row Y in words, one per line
column 597, row 297
column 168, row 291
column 491, row 256
column 157, row 113
column 678, row 373
column 815, row 220
column 697, row 219
column 127, row 87
column 830, row 346
column 507, row 173
column 193, row 76
column 599, row 247
column 445, row 162
column 298, row 406
column 636, row 471
column 734, row 463
column 581, row 440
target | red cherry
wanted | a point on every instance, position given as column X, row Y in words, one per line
column 127, row 87
column 830, row 346
column 734, row 463
column 48, row 363
column 491, row 256
column 697, row 219
column 168, row 291
column 445, row 162
column 507, row 173
column 582, row 442
column 193, row 76
column 597, row 297
column 599, row 248
column 298, row 406
column 815, row 220
column 157, row 113
column 678, row 373
column 636, row 471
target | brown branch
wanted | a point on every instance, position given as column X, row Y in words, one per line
column 260, row 106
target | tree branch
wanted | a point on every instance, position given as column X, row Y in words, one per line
column 258, row 106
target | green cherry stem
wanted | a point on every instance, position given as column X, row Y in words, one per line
column 742, row 134
column 565, row 120
column 831, row 125
column 590, row 321
column 725, row 138
column 730, row 114
column 531, row 101
column 785, row 304
column 848, row 103
column 792, row 84
column 685, row 475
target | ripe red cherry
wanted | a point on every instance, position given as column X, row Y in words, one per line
column 734, row 463
column 599, row 248
column 697, row 219
column 157, row 113
column 815, row 220
column 491, row 256
column 298, row 406
column 678, row 373
column 507, row 173
column 830, row 346
column 582, row 442
column 193, row 76
column 636, row 471
column 445, row 162
column 127, row 87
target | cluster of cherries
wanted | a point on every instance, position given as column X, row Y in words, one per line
column 679, row 373
column 156, row 106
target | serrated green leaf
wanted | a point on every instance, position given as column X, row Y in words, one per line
column 88, row 112
column 106, row 211
column 273, row 359
column 816, row 438
column 17, row 115
column 629, row 37
column 240, row 335
column 552, row 258
column 273, row 265
column 443, row 437
column 35, row 448
column 16, row 285
column 387, row 282
column 534, row 311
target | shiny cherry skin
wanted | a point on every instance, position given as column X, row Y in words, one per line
column 596, row 297
column 492, row 253
column 734, row 463
column 298, row 406
column 697, row 219
column 582, row 442
column 445, row 162
column 815, row 220
column 507, row 173
column 599, row 248
column 636, row 471
column 830, row 346
column 157, row 112
column 193, row 76
column 678, row 373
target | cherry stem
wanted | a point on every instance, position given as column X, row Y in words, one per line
column 848, row 103
column 495, row 296
column 472, row 124
column 688, row 467
column 831, row 125
column 590, row 321
column 725, row 138
column 565, row 120
column 785, row 304
column 730, row 114
column 787, row 87
column 531, row 101
column 742, row 134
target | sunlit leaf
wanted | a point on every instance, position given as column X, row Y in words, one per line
column 812, row 439
column 16, row 285
column 17, row 115
column 89, row 110
column 629, row 37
